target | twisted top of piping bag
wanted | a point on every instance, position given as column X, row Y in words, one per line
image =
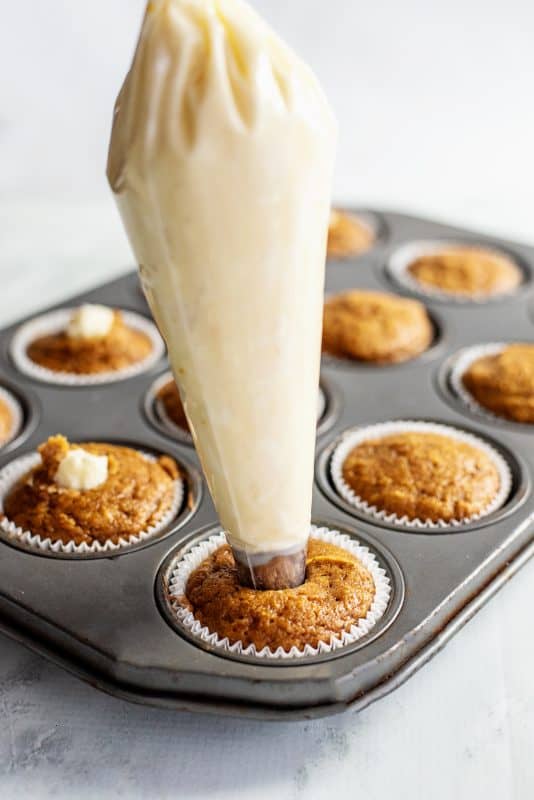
column 203, row 68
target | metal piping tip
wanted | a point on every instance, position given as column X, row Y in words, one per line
column 271, row 570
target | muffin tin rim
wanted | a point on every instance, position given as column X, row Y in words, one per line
column 383, row 555
column 520, row 491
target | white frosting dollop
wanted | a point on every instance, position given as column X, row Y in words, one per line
column 82, row 470
column 90, row 321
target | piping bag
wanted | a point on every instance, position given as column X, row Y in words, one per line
column 221, row 160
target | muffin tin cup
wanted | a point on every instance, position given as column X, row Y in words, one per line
column 352, row 438
column 400, row 260
column 55, row 322
column 16, row 414
column 464, row 360
column 179, row 572
column 14, row 534
column 157, row 414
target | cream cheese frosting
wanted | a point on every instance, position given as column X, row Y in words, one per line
column 90, row 321
column 81, row 470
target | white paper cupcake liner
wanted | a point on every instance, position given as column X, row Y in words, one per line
column 16, row 469
column 401, row 259
column 353, row 438
column 183, row 567
column 16, row 414
column 57, row 321
column 467, row 357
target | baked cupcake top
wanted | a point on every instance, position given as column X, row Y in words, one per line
column 92, row 492
column 6, row 421
column 169, row 397
column 503, row 383
column 374, row 326
column 422, row 476
column 338, row 591
column 466, row 271
column 95, row 340
column 348, row 235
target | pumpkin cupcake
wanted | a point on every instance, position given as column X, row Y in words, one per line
column 465, row 271
column 88, row 344
column 344, row 594
column 96, row 339
column 420, row 473
column 95, row 494
column 375, row 327
column 348, row 235
column 337, row 592
column 502, row 382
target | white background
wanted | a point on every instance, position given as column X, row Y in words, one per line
column 435, row 101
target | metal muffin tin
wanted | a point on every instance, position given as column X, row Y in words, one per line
column 104, row 618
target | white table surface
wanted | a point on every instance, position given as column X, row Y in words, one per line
column 435, row 106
